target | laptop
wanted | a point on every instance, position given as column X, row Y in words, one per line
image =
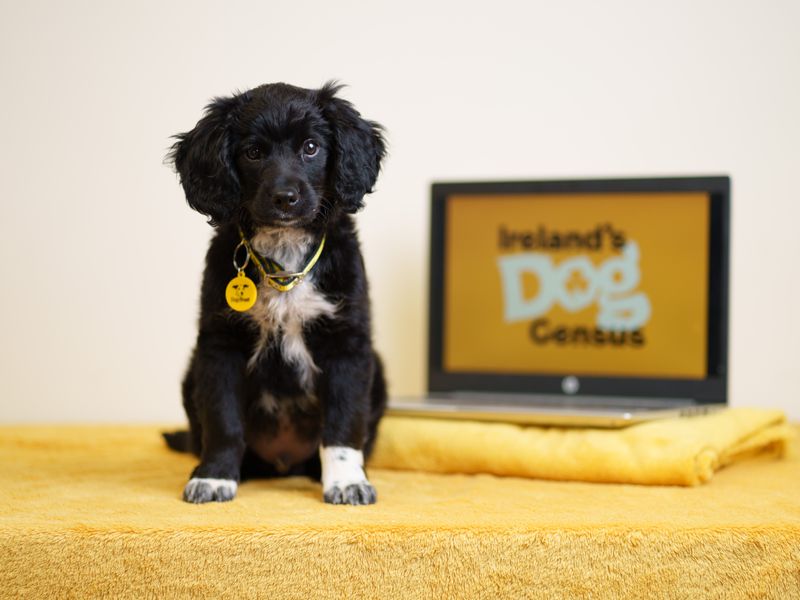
column 577, row 303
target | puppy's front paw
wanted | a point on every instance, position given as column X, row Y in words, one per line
column 203, row 489
column 355, row 493
column 343, row 477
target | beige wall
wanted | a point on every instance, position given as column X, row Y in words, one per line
column 101, row 259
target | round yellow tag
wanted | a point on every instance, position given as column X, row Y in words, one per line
column 241, row 293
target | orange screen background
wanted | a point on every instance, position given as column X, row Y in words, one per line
column 670, row 231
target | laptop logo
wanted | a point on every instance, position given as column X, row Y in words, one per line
column 570, row 385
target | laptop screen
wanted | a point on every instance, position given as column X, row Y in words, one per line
column 598, row 283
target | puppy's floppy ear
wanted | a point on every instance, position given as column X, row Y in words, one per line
column 203, row 158
column 358, row 148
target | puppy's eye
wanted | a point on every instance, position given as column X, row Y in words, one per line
column 253, row 153
column 310, row 147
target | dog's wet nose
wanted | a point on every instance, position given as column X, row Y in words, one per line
column 285, row 198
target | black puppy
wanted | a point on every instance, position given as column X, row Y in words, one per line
column 291, row 385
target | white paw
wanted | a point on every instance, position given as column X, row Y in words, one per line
column 343, row 477
column 355, row 493
column 202, row 489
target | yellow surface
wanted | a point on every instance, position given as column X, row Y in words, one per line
column 671, row 232
column 96, row 512
column 681, row 451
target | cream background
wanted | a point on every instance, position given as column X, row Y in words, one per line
column 101, row 259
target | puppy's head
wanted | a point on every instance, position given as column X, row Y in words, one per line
column 279, row 155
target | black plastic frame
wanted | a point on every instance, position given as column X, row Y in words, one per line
column 712, row 389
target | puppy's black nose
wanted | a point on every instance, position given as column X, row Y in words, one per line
column 285, row 198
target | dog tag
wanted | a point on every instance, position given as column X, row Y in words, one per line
column 241, row 292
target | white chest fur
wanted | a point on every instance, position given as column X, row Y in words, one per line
column 283, row 314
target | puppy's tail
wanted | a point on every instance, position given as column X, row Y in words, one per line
column 180, row 441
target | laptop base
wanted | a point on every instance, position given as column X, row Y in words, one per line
column 534, row 409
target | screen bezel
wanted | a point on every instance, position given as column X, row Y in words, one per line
column 712, row 389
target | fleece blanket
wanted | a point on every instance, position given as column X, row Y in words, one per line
column 680, row 451
column 95, row 512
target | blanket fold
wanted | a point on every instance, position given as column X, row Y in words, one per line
column 681, row 451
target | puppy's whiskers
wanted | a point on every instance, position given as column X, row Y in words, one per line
column 325, row 205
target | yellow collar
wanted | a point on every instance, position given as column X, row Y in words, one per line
column 273, row 273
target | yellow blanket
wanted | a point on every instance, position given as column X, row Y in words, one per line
column 95, row 512
column 683, row 451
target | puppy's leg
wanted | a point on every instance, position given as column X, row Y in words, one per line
column 344, row 389
column 378, row 401
column 189, row 405
column 217, row 380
